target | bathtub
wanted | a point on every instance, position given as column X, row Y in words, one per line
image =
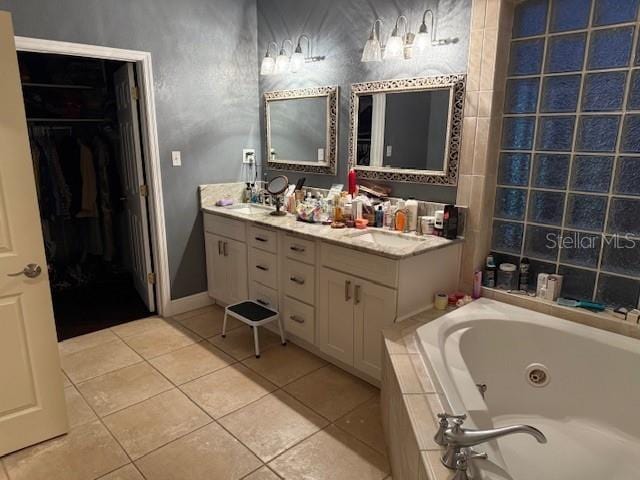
column 580, row 386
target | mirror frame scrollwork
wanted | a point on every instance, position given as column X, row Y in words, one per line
column 449, row 175
column 329, row 167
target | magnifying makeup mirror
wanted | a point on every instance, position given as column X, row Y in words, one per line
column 276, row 187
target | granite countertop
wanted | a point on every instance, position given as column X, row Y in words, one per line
column 345, row 237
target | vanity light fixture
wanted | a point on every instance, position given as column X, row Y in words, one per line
column 288, row 63
column 268, row 65
column 372, row 51
column 396, row 43
column 283, row 60
column 407, row 45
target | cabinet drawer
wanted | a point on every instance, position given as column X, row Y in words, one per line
column 226, row 227
column 265, row 296
column 263, row 239
column 298, row 319
column 263, row 267
column 299, row 280
column 364, row 265
column 300, row 249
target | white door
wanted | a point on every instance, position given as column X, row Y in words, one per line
column 375, row 310
column 32, row 405
column 134, row 188
column 216, row 267
column 335, row 315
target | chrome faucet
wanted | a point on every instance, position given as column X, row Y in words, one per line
column 455, row 438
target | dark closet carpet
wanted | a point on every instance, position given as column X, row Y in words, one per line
column 89, row 308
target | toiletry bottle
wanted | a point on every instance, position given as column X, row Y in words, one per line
column 400, row 217
column 379, row 217
column 352, row 182
column 477, row 284
column 523, row 283
column 412, row 213
column 489, row 275
column 438, row 224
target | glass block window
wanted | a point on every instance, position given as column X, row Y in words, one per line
column 568, row 184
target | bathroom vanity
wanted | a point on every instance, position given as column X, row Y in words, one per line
column 335, row 289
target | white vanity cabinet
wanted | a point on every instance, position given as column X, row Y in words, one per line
column 353, row 311
column 226, row 255
column 334, row 300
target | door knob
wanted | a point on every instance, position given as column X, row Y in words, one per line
column 31, row 271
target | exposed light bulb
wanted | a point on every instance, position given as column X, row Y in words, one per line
column 282, row 62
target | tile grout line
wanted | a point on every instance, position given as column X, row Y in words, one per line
column 213, row 420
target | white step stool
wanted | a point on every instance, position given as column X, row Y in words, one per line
column 254, row 315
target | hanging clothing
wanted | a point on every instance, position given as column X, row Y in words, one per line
column 105, row 193
column 69, row 153
column 61, row 192
column 88, row 204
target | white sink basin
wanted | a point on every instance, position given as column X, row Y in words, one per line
column 249, row 208
column 387, row 239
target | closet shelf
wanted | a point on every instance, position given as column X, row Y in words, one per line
column 58, row 85
column 68, row 120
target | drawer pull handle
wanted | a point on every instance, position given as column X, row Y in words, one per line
column 357, row 294
column 296, row 319
column 260, row 239
column 298, row 249
column 347, row 290
column 297, row 280
column 224, row 248
column 262, row 302
column 260, row 267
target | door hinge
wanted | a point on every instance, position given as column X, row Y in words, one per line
column 135, row 93
column 151, row 278
column 144, row 191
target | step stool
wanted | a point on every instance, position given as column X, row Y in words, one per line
column 254, row 315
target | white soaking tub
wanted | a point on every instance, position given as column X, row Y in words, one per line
column 589, row 410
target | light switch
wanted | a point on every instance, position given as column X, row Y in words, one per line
column 176, row 159
column 389, row 149
column 321, row 154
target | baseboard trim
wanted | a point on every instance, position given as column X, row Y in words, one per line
column 186, row 304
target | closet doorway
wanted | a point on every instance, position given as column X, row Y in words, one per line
column 84, row 123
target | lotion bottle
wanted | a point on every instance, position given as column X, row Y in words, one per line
column 412, row 213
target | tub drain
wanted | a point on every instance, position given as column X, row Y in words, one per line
column 537, row 375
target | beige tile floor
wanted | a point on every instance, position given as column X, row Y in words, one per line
column 170, row 399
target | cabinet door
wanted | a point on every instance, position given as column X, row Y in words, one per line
column 216, row 267
column 335, row 315
column 235, row 254
column 375, row 309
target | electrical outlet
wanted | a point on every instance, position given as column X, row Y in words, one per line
column 176, row 159
column 249, row 156
column 321, row 154
column 389, row 150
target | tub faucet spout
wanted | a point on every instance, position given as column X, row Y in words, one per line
column 456, row 438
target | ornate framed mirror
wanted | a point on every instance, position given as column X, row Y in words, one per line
column 407, row 130
column 302, row 130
